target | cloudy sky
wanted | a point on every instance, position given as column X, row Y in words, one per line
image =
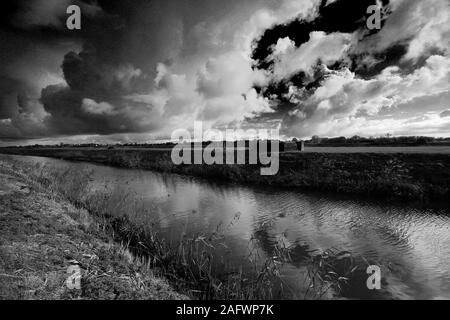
column 139, row 69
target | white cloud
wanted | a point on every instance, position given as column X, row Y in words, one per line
column 342, row 96
column 283, row 45
column 435, row 29
column 92, row 107
column 321, row 46
column 425, row 24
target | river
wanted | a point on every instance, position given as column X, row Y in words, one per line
column 412, row 244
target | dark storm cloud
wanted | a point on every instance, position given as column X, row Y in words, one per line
column 105, row 79
column 86, row 73
column 98, row 75
column 73, row 113
column 8, row 96
column 112, row 64
column 33, row 41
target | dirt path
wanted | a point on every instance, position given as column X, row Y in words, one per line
column 44, row 242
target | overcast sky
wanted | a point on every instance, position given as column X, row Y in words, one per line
column 138, row 69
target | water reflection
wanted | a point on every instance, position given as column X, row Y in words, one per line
column 412, row 244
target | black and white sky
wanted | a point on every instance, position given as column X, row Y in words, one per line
column 139, row 69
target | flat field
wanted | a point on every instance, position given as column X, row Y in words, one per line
column 402, row 149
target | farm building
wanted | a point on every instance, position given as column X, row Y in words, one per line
column 291, row 146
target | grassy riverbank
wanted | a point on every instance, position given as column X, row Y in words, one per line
column 413, row 176
column 51, row 220
column 42, row 235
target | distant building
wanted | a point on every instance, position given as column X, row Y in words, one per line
column 316, row 140
column 292, row 146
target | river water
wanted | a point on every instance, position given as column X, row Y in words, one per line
column 412, row 244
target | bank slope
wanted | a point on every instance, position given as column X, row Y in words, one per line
column 41, row 238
